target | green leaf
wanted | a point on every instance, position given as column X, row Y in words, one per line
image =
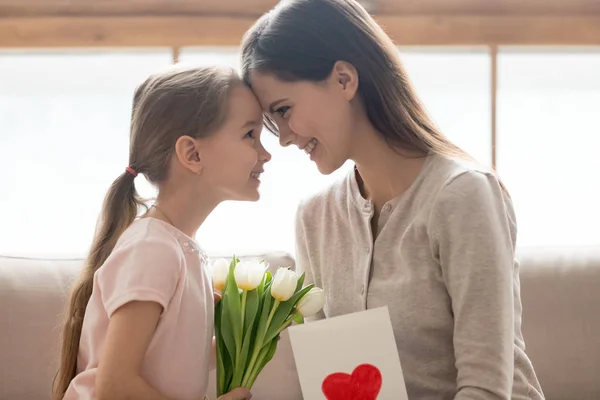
column 265, row 303
column 242, row 361
column 260, row 289
column 223, row 357
column 234, row 307
column 218, row 340
column 265, row 356
column 300, row 283
column 268, row 277
column 249, row 330
column 251, row 309
column 283, row 313
column 256, row 368
column 228, row 371
column 270, row 353
column 298, row 318
column 225, row 329
column 264, row 313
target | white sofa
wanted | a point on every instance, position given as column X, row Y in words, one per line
column 560, row 293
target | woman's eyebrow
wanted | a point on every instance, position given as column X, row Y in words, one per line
column 274, row 104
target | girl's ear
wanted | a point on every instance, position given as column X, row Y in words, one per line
column 346, row 77
column 187, row 151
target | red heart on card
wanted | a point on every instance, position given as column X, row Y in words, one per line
column 363, row 384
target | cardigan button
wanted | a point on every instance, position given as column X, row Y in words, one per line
column 362, row 289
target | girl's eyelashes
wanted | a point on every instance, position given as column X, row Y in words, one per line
column 249, row 134
column 282, row 111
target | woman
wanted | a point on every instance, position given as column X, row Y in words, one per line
column 416, row 225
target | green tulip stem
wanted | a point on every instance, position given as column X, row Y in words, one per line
column 286, row 324
column 244, row 294
column 258, row 346
column 253, row 373
column 275, row 305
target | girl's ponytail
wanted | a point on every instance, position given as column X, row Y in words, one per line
column 120, row 209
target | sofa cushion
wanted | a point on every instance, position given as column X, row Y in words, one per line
column 561, row 310
column 33, row 293
column 560, row 289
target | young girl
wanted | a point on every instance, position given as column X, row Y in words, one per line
column 416, row 225
column 140, row 319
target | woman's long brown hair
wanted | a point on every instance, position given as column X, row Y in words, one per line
column 303, row 39
column 166, row 106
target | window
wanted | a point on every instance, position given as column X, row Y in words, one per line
column 64, row 137
column 548, row 143
column 454, row 86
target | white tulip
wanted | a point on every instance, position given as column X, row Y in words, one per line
column 220, row 269
column 284, row 284
column 249, row 274
column 311, row 303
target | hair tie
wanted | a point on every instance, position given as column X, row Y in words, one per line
column 131, row 171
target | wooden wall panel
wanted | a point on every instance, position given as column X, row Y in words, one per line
column 177, row 23
column 228, row 31
column 257, row 7
column 25, row 8
column 492, row 30
column 502, row 7
column 122, row 31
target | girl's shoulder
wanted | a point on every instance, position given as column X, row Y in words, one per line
column 147, row 263
column 149, row 240
column 154, row 232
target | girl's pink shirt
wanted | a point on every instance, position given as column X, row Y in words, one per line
column 153, row 261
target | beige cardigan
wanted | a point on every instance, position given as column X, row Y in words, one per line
column 444, row 264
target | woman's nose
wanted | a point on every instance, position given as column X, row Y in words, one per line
column 286, row 136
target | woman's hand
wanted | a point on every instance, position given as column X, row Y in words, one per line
column 237, row 394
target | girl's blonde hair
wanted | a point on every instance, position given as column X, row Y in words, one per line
column 167, row 105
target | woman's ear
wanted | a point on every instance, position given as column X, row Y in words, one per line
column 346, row 76
column 187, row 150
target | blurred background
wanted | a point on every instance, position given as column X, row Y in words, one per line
column 515, row 83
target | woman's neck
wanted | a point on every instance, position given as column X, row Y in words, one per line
column 385, row 172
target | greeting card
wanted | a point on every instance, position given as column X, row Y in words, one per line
column 350, row 357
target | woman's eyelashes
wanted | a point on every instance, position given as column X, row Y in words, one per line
column 282, row 111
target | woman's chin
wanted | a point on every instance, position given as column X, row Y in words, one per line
column 327, row 168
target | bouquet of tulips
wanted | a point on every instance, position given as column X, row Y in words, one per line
column 254, row 308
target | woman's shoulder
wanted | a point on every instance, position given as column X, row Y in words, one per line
column 448, row 169
column 456, row 175
column 465, row 184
